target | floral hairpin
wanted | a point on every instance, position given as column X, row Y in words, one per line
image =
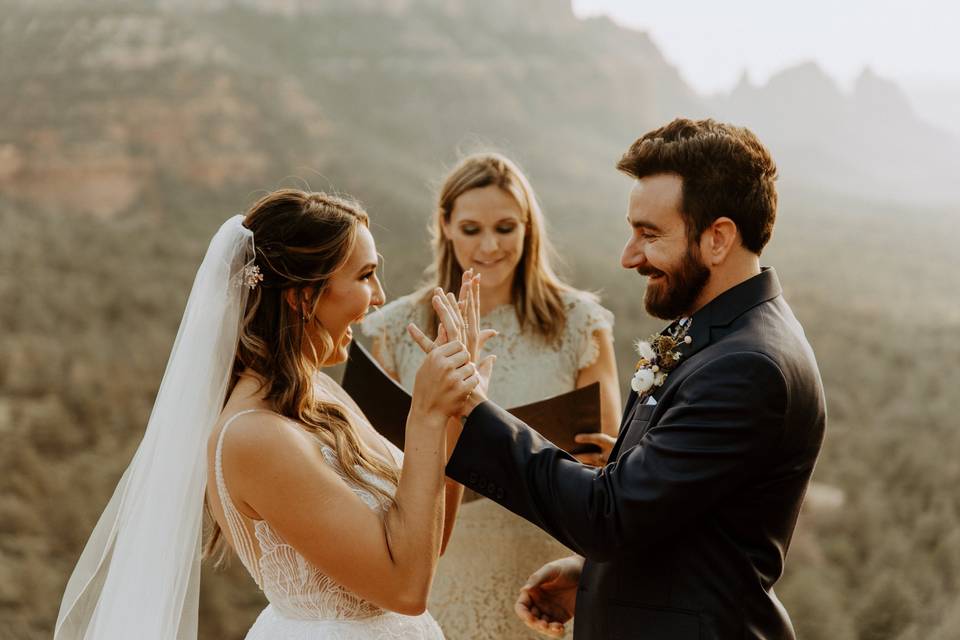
column 251, row 276
column 658, row 358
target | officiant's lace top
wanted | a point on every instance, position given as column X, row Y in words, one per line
column 527, row 369
column 492, row 552
column 305, row 603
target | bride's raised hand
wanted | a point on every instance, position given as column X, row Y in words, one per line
column 463, row 317
column 447, row 377
column 460, row 321
column 451, row 325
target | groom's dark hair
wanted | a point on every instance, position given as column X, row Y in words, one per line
column 726, row 171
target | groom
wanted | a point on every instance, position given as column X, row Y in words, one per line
column 683, row 534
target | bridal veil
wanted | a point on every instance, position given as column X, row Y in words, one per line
column 139, row 574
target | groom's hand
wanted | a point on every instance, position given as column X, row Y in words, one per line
column 547, row 601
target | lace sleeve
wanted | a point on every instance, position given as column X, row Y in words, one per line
column 585, row 316
column 388, row 326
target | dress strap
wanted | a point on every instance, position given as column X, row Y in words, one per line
column 243, row 542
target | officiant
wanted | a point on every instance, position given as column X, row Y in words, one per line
column 551, row 339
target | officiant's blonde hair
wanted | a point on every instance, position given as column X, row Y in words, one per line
column 536, row 291
column 301, row 239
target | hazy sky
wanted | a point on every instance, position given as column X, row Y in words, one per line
column 712, row 42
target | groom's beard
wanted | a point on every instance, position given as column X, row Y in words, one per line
column 674, row 295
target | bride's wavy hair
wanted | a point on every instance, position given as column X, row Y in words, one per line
column 301, row 239
column 536, row 291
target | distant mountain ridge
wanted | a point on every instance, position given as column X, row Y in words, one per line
column 865, row 142
column 111, row 106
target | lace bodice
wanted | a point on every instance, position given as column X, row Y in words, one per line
column 527, row 369
column 295, row 588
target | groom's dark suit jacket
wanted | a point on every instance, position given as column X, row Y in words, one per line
column 685, row 530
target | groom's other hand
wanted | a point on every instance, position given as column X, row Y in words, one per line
column 602, row 440
column 547, row 601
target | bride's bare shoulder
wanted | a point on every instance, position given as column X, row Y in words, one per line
column 250, row 423
column 261, row 434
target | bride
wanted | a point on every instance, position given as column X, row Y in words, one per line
column 339, row 528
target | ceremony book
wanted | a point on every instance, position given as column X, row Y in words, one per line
column 386, row 405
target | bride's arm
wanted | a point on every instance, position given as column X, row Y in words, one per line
column 275, row 471
column 387, row 559
column 466, row 310
column 453, row 490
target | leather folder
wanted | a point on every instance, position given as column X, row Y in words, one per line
column 386, row 405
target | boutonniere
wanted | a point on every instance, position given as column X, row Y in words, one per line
column 658, row 357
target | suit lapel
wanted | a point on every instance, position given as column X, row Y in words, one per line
column 627, row 414
column 631, row 401
column 719, row 312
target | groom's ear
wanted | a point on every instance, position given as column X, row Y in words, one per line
column 718, row 240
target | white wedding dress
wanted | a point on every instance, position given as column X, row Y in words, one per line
column 304, row 603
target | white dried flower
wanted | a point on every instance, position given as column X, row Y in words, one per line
column 642, row 381
column 656, row 359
